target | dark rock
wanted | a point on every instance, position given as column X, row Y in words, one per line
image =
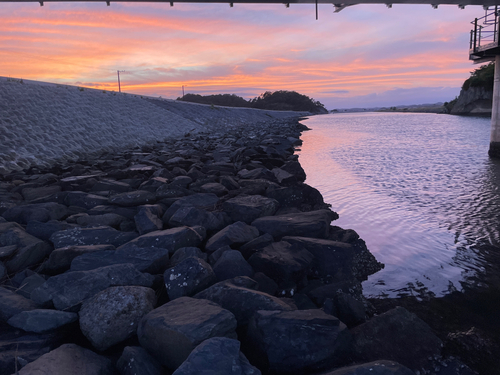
column 30, row 250
column 111, row 186
column 84, row 200
column 153, row 184
column 181, row 181
column 343, row 235
column 242, row 301
column 188, row 277
column 214, row 188
column 171, row 239
column 298, row 341
column 171, row 340
column 214, row 257
column 349, row 310
column 397, row 335
column 30, row 283
column 167, row 191
column 303, row 302
column 36, row 212
column 12, row 304
column 339, row 260
column 136, row 360
column 60, row 259
column 229, row 183
column 266, row 284
column 380, row 367
column 329, row 291
column 70, row 289
column 133, row 198
column 255, row 245
column 30, row 194
column 69, row 359
column 217, row 356
column 43, row 231
column 7, row 251
column 186, row 252
column 283, row 177
column 291, row 196
column 112, row 316
column 42, row 320
column 192, row 216
column 91, row 236
column 110, row 220
column 250, row 207
column 282, row 262
column 232, row 264
column 199, row 200
column 3, row 270
column 294, row 168
column 257, row 173
column 147, row 220
column 128, row 212
column 311, row 224
column 152, row 260
column 233, row 235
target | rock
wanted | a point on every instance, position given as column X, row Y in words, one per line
column 192, row 216
column 7, row 251
column 397, row 335
column 250, row 207
column 181, row 181
column 152, row 260
column 36, row 212
column 233, row 235
column 257, row 173
column 266, row 284
column 214, row 257
column 188, row 277
column 133, row 198
column 147, row 220
column 380, row 367
column 329, row 291
column 12, row 304
column 171, row 239
column 310, row 224
column 70, row 289
column 127, row 212
column 112, row 316
column 41, row 320
column 186, row 252
column 136, row 360
column 349, row 310
column 283, row 177
column 109, row 220
column 282, row 262
column 229, row 183
column 217, row 356
column 111, row 186
column 69, row 359
column 30, row 194
column 3, row 270
column 256, row 244
column 29, row 283
column 291, row 196
column 242, row 301
column 294, row 168
column 167, row 191
column 298, row 341
column 172, row 331
column 199, row 200
column 214, row 188
column 43, row 231
column 153, row 184
column 60, row 259
column 91, row 236
column 84, row 200
column 30, row 250
column 339, row 260
column 232, row 264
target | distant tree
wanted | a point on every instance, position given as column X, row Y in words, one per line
column 481, row 77
column 227, row 100
column 287, row 101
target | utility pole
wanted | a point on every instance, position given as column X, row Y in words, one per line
column 182, row 91
column 119, row 86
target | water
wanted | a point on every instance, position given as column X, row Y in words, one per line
column 420, row 189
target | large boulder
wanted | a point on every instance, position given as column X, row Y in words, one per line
column 172, row 331
column 113, row 315
column 69, row 359
column 381, row 367
column 308, row 224
column 101, row 235
column 237, row 296
column 232, row 264
column 298, row 341
column 136, row 360
column 148, row 220
column 192, row 216
column 12, row 304
column 70, row 289
column 42, row 320
column 233, row 235
column 84, row 200
column 397, row 335
column 36, row 212
column 247, row 208
column 199, row 200
column 133, row 198
column 186, row 252
column 188, row 277
column 217, row 356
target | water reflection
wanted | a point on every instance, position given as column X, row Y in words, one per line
column 418, row 188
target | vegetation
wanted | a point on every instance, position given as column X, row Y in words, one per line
column 278, row 100
column 482, row 77
column 449, row 105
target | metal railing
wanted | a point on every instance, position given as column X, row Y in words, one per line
column 486, row 30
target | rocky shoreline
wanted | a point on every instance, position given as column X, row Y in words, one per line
column 203, row 254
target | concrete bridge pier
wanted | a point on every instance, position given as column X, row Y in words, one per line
column 495, row 113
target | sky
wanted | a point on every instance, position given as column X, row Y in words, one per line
column 363, row 56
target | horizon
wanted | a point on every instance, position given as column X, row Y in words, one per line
column 373, row 56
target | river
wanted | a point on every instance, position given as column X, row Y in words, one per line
column 420, row 189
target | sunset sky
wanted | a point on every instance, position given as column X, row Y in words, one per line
column 364, row 56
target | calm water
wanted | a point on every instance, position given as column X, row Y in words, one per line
column 420, row 189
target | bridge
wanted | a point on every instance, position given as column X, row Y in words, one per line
column 484, row 37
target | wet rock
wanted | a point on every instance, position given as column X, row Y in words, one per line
column 329, row 291
column 171, row 239
column 298, row 341
column 69, row 359
column 310, row 224
column 170, row 340
column 192, row 216
column 84, row 200
column 109, row 220
column 91, row 236
column 397, row 335
column 291, row 196
column 242, row 301
column 283, row 177
column 43, row 231
column 152, row 260
column 217, row 356
column 36, row 212
column 188, row 277
column 186, row 252
column 30, row 250
column 282, row 262
column 60, row 259
column 381, row 367
column 232, row 264
column 133, row 198
column 112, row 316
column 136, row 360
column 70, row 289
column 148, row 220
column 41, row 320
column 233, row 235
column 250, row 207
column 348, row 309
column 12, row 304
column 294, row 168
